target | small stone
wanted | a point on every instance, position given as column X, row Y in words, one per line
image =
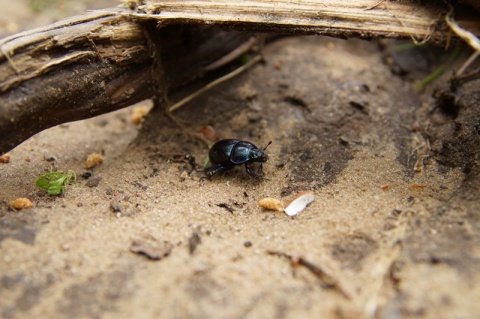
column 93, row 160
column 93, row 182
column 5, row 158
column 138, row 114
column 271, row 204
column 20, row 203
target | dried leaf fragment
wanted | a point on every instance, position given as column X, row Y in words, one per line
column 152, row 250
column 20, row 203
column 271, row 204
column 93, row 160
column 226, row 206
column 299, row 203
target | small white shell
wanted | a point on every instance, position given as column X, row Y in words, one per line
column 297, row 204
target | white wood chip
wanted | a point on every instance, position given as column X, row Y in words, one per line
column 299, row 203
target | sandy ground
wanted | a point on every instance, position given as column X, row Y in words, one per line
column 380, row 241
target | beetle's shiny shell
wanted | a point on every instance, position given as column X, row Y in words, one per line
column 230, row 152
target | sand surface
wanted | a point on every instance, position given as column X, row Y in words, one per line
column 389, row 235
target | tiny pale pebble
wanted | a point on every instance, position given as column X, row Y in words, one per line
column 20, row 203
column 93, row 160
column 271, row 204
column 5, row 158
column 138, row 114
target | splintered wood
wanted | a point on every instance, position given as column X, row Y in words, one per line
column 364, row 19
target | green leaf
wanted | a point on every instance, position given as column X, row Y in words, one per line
column 42, row 182
column 55, row 190
column 55, row 183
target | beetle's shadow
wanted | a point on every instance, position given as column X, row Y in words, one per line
column 238, row 176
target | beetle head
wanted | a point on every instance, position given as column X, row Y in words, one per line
column 258, row 155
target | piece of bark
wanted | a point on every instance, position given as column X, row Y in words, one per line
column 70, row 70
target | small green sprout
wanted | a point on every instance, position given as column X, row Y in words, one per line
column 55, row 183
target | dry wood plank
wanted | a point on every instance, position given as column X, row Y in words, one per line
column 340, row 18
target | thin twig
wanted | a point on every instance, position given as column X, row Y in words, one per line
column 213, row 84
column 467, row 63
column 234, row 54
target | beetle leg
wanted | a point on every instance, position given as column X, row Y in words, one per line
column 214, row 169
column 249, row 171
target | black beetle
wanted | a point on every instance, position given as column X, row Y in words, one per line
column 225, row 154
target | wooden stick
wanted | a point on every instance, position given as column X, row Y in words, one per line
column 340, row 18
